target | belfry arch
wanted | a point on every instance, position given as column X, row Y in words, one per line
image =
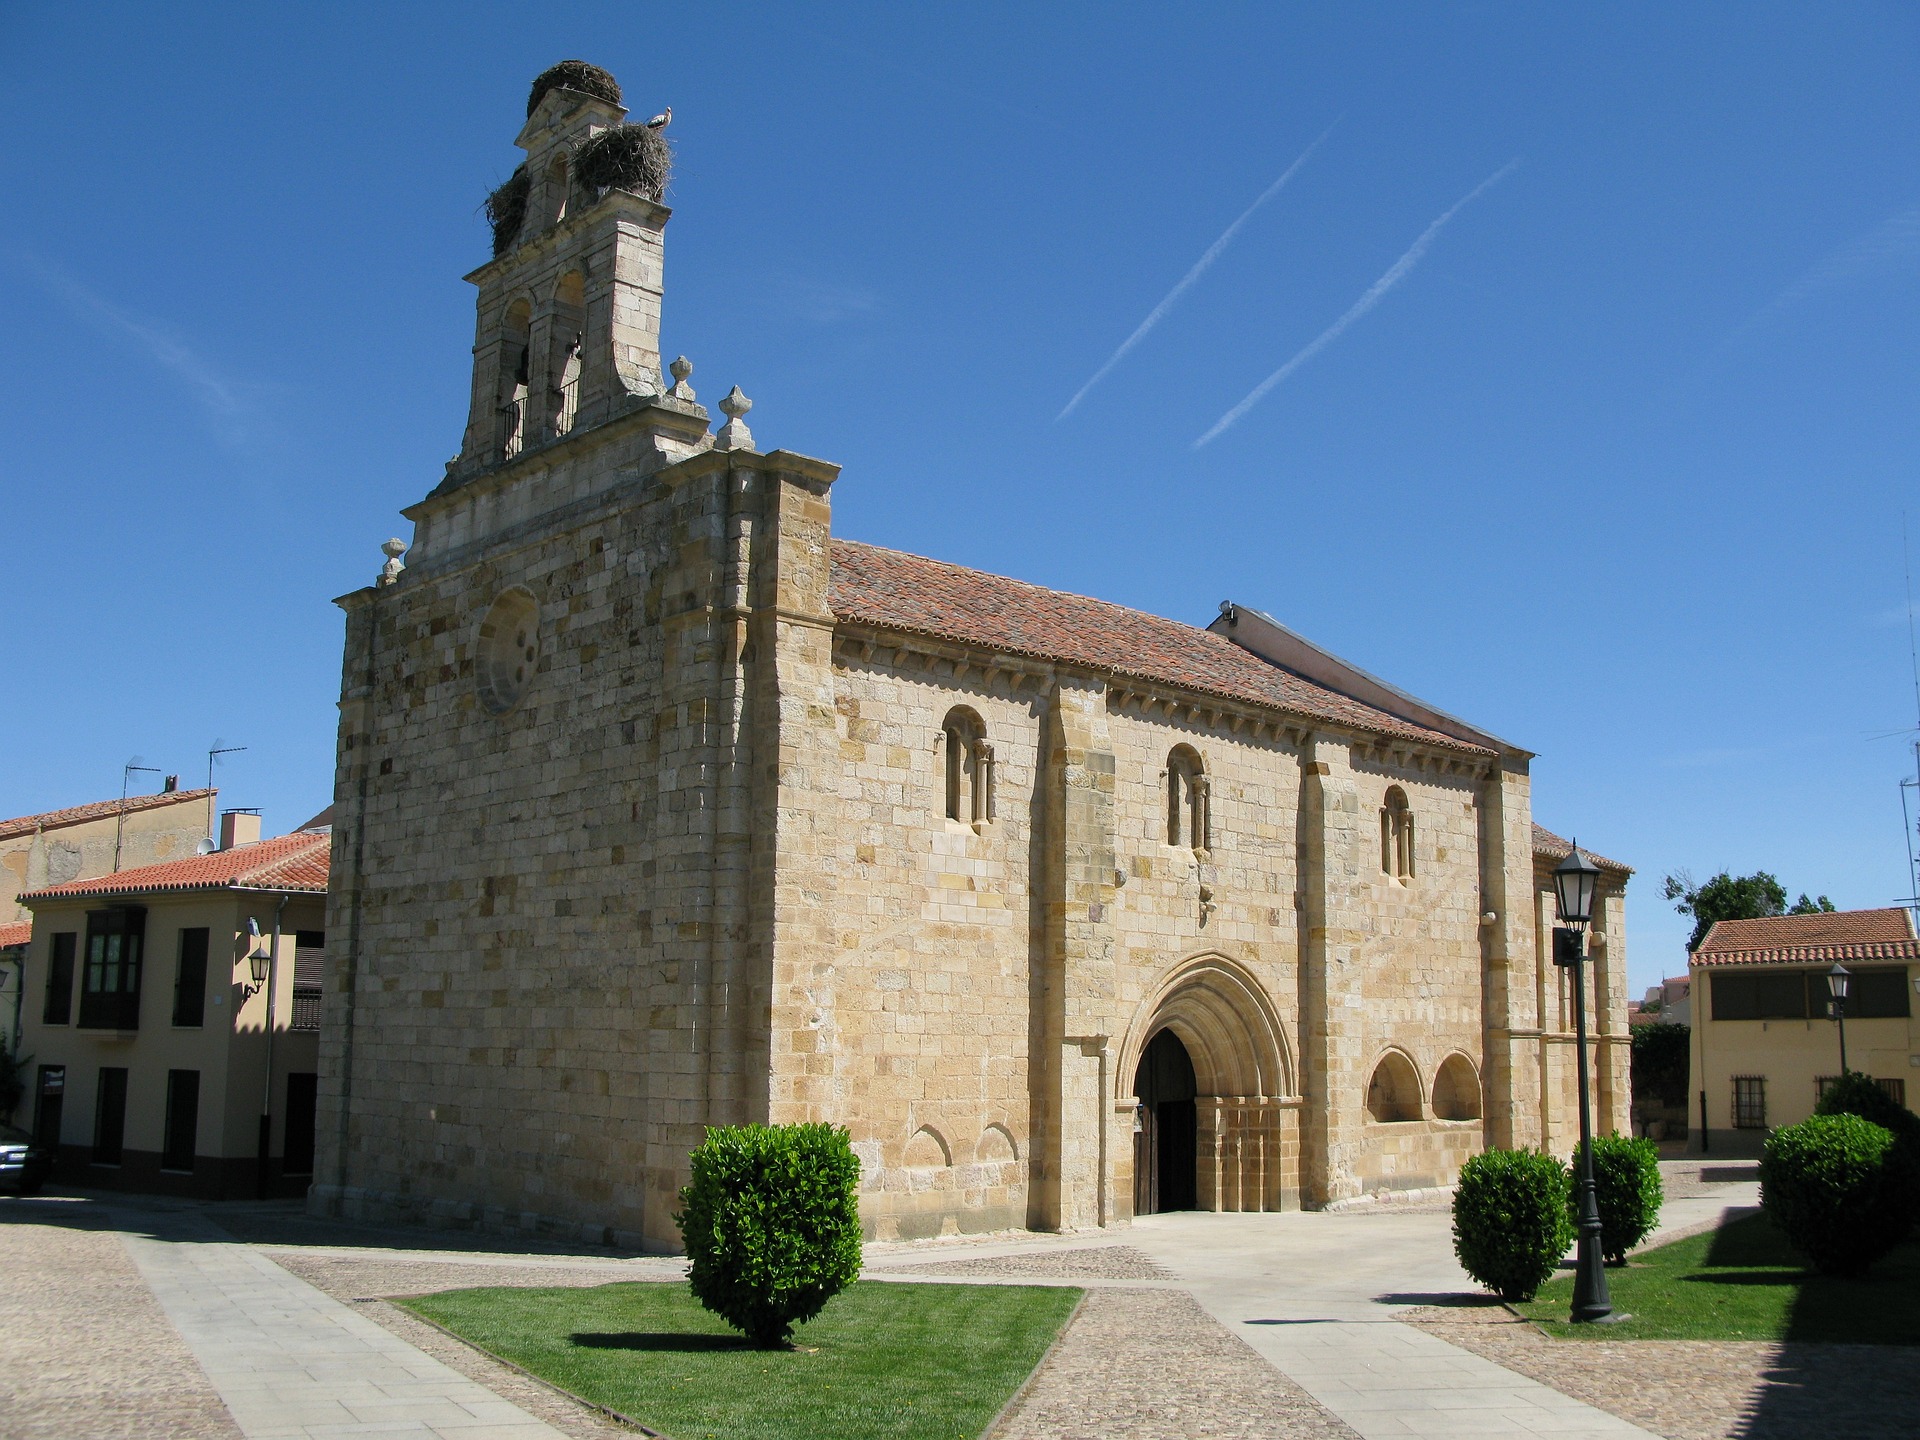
column 1245, row 1111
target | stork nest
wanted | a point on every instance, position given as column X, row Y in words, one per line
column 626, row 157
column 506, row 209
column 573, row 75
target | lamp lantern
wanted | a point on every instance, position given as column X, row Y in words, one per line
column 260, row 954
column 1837, row 979
column 1574, row 882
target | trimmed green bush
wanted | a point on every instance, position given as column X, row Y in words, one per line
column 1626, row 1183
column 1510, row 1224
column 1840, row 1188
column 771, row 1225
column 1857, row 1094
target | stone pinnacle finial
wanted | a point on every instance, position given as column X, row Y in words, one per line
column 734, row 435
column 393, row 550
column 680, row 369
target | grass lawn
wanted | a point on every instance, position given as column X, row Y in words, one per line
column 1742, row 1282
column 892, row 1360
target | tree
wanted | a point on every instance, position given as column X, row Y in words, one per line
column 1734, row 897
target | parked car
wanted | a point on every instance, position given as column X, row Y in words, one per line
column 24, row 1161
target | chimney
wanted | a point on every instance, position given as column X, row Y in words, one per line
column 171, row 784
column 239, row 827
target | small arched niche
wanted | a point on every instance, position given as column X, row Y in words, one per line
column 507, row 650
column 1393, row 1094
column 1456, row 1090
column 927, row 1150
column 996, row 1146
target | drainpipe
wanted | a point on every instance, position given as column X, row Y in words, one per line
column 266, row 1088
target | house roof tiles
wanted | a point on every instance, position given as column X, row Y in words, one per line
column 287, row 862
column 891, row 590
column 1821, row 939
column 17, row 932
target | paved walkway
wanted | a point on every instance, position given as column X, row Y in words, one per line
column 292, row 1364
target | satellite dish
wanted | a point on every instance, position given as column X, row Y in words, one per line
column 205, row 847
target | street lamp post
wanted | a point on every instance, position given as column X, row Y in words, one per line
column 1574, row 883
column 1837, row 979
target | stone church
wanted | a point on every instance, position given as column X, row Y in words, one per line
column 659, row 806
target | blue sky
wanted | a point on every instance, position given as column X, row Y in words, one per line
column 1614, row 466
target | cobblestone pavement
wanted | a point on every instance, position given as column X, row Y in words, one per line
column 1203, row 1326
column 85, row 1349
column 1705, row 1389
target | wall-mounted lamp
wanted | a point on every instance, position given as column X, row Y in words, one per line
column 259, row 954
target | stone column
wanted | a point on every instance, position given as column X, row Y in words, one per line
column 1076, row 1136
column 1613, row 1050
column 797, row 830
column 1336, row 844
column 1509, row 1068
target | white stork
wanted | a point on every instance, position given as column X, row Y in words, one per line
column 660, row 121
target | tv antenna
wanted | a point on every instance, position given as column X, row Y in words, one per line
column 1907, row 820
column 126, row 779
column 214, row 752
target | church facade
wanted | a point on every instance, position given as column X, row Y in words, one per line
column 658, row 806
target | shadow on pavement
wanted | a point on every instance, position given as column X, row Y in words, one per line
column 282, row 1224
column 1448, row 1300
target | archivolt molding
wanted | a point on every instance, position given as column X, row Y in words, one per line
column 1230, row 1027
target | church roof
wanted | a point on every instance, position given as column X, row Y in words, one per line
column 891, row 590
column 1811, row 939
column 287, row 862
column 100, row 809
column 1549, row 846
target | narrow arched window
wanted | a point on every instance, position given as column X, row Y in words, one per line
column 969, row 767
column 1396, row 835
column 563, row 367
column 558, row 191
column 515, row 366
column 1188, row 821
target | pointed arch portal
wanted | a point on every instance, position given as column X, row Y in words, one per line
column 1212, row 1080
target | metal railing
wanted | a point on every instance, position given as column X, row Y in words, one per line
column 569, row 397
column 513, row 417
column 306, row 1010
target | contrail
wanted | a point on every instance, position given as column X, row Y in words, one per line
column 215, row 392
column 1399, row 271
column 1890, row 245
column 1199, row 268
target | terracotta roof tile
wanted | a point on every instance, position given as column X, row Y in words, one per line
column 1811, row 939
column 287, row 862
column 891, row 590
column 16, row 933
column 1548, row 844
column 100, row 809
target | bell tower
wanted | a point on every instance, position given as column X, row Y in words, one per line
column 568, row 316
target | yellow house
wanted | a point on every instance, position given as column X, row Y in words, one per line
column 152, row 1060
column 1764, row 1047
